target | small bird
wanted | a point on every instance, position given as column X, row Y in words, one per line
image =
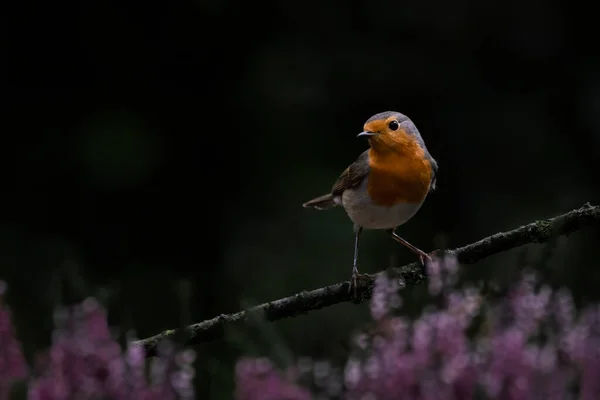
column 387, row 184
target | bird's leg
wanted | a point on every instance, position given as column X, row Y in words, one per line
column 422, row 255
column 355, row 274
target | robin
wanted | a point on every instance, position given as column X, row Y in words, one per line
column 387, row 184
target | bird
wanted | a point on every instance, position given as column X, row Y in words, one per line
column 386, row 185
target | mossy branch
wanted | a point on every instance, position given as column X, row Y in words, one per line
column 305, row 301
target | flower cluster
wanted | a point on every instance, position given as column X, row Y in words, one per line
column 85, row 362
column 531, row 344
column 258, row 379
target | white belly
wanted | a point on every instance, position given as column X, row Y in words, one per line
column 363, row 212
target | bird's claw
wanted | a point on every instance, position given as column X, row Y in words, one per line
column 353, row 288
column 424, row 257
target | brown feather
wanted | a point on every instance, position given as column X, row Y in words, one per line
column 320, row 203
column 353, row 175
column 350, row 178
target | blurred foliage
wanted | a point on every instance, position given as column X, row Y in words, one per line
column 157, row 142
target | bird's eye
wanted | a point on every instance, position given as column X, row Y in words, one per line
column 393, row 125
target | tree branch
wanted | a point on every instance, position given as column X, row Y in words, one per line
column 305, row 301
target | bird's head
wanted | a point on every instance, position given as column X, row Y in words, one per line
column 389, row 129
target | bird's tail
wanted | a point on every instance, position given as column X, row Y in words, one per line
column 321, row 203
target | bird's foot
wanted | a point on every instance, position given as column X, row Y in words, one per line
column 353, row 288
column 424, row 257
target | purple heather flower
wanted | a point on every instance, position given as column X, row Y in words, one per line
column 434, row 357
column 442, row 273
column 84, row 361
column 563, row 309
column 435, row 281
column 257, row 379
column 385, row 297
column 529, row 307
column 12, row 363
column 589, row 363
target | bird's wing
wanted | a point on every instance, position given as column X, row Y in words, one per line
column 353, row 175
column 434, row 171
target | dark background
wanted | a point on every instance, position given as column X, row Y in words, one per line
column 153, row 142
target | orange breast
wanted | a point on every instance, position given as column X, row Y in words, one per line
column 399, row 176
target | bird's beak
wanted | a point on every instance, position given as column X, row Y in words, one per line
column 366, row 133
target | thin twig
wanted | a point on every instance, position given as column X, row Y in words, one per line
column 305, row 301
